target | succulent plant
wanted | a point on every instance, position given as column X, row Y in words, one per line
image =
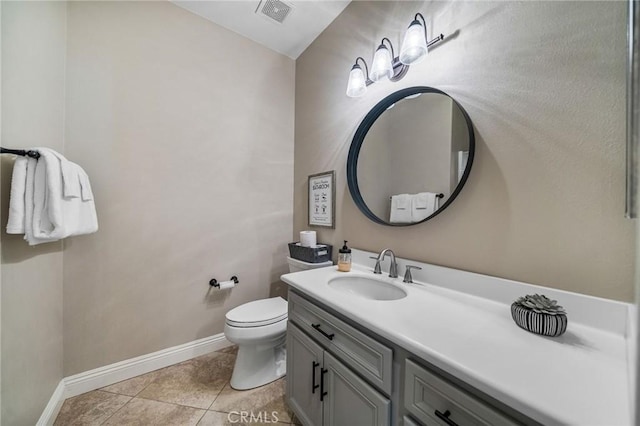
column 540, row 304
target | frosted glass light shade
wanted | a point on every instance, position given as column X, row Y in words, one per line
column 381, row 67
column 357, row 84
column 414, row 46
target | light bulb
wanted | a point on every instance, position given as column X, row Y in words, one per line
column 414, row 46
column 381, row 67
column 357, row 85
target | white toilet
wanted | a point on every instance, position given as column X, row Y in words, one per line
column 259, row 328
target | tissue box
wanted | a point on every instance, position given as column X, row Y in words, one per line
column 317, row 254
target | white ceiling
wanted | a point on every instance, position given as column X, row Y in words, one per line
column 306, row 20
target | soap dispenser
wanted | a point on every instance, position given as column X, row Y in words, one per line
column 344, row 258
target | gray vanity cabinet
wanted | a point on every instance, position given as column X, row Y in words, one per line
column 323, row 391
column 304, row 361
column 339, row 376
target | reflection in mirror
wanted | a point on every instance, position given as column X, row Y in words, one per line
column 415, row 151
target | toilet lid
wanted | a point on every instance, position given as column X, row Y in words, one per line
column 258, row 312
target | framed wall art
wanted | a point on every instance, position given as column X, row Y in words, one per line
column 322, row 199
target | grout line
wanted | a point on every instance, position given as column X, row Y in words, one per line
column 115, row 412
column 108, row 391
column 145, row 388
column 140, row 375
column 151, row 382
column 221, row 389
column 201, row 417
column 171, row 403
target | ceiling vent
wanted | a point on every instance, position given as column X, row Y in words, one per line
column 274, row 9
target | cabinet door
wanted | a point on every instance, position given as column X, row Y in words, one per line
column 350, row 401
column 304, row 362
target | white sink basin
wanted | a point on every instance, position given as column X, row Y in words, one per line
column 368, row 288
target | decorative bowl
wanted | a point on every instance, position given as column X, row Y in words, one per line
column 539, row 315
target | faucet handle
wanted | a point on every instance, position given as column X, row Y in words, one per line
column 407, row 274
column 376, row 269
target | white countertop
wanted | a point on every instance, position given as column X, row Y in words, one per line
column 580, row 378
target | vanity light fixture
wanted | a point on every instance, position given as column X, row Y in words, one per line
column 388, row 66
column 358, row 81
column 382, row 66
column 414, row 45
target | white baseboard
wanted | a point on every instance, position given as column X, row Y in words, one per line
column 127, row 369
column 53, row 407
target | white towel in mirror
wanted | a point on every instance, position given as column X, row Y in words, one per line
column 400, row 208
column 423, row 205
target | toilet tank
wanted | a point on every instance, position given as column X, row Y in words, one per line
column 296, row 265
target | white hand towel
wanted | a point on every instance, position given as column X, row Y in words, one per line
column 30, row 196
column 87, row 193
column 75, row 180
column 15, row 224
column 41, row 224
column 423, row 205
column 70, row 177
column 400, row 209
column 55, row 216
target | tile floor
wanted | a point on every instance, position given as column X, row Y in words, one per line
column 194, row 392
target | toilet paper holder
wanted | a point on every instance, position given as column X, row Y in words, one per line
column 214, row 283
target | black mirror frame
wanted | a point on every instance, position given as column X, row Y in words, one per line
column 361, row 133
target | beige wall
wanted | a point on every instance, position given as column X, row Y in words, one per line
column 33, row 57
column 186, row 130
column 544, row 84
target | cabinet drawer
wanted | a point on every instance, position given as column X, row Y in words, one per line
column 361, row 353
column 427, row 396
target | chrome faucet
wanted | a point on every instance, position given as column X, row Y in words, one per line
column 393, row 268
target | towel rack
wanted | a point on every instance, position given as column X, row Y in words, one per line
column 29, row 153
column 440, row 195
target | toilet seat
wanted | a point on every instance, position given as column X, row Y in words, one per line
column 258, row 313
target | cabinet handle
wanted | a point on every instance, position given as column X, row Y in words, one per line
column 323, row 371
column 328, row 336
column 445, row 417
column 313, row 377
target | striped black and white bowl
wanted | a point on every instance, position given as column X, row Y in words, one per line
column 545, row 324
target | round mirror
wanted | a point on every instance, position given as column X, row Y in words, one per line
column 410, row 156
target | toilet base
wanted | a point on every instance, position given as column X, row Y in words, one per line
column 257, row 365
